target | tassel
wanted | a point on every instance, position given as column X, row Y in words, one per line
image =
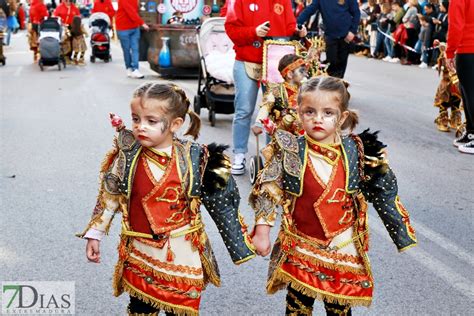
column 169, row 254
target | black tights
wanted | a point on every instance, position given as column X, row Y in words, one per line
column 298, row 304
column 139, row 307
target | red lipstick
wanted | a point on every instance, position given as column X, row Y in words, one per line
column 318, row 129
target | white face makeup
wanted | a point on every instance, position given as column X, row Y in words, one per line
column 150, row 126
column 299, row 75
column 321, row 116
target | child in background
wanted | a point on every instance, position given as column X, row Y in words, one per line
column 79, row 46
column 447, row 95
column 424, row 40
column 322, row 181
column 279, row 102
column 158, row 183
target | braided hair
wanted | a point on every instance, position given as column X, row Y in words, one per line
column 177, row 103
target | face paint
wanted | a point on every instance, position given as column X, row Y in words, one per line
column 320, row 115
column 150, row 125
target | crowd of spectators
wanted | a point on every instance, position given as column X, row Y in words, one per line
column 403, row 31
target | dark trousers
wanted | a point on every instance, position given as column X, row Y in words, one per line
column 137, row 306
column 411, row 41
column 465, row 70
column 337, row 53
column 298, row 304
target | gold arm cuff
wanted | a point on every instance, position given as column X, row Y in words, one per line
column 407, row 247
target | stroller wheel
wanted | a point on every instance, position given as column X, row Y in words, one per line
column 106, row 60
column 212, row 117
column 59, row 66
column 40, row 63
column 197, row 104
column 3, row 62
column 92, row 59
column 256, row 163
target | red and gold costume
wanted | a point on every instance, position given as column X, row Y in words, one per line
column 321, row 249
column 165, row 257
column 448, row 96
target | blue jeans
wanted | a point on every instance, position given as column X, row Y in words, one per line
column 246, row 91
column 129, row 40
column 388, row 46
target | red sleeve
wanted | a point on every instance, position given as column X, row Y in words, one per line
column 130, row 8
column 240, row 34
column 110, row 10
column 223, row 12
column 456, row 20
column 289, row 19
column 57, row 11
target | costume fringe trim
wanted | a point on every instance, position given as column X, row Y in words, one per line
column 327, row 265
column 156, row 303
column 316, row 293
column 209, row 274
column 165, row 276
column 143, row 314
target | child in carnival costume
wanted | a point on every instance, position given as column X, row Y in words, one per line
column 278, row 108
column 158, row 182
column 279, row 102
column 447, row 96
column 322, row 181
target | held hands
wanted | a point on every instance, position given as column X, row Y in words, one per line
column 262, row 29
column 145, row 27
column 93, row 251
column 261, row 240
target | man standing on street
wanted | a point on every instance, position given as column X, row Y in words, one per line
column 341, row 20
column 461, row 44
column 128, row 23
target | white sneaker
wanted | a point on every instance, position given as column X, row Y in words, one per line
column 394, row 60
column 435, row 67
column 423, row 65
column 129, row 72
column 238, row 167
column 387, row 58
column 467, row 148
column 136, row 74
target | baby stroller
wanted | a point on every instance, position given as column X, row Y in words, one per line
column 215, row 81
column 3, row 27
column 100, row 40
column 50, row 44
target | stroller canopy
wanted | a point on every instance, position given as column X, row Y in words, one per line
column 96, row 19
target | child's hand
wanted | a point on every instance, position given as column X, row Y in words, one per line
column 262, row 29
column 261, row 240
column 257, row 130
column 92, row 250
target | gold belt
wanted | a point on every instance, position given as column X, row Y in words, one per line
column 131, row 233
column 335, row 248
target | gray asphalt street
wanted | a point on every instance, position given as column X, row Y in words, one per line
column 55, row 131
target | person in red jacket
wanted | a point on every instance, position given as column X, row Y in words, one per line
column 128, row 23
column 66, row 11
column 104, row 6
column 21, row 16
column 461, row 45
column 38, row 12
column 247, row 23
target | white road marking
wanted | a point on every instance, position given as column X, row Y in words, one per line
column 438, row 268
column 444, row 243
